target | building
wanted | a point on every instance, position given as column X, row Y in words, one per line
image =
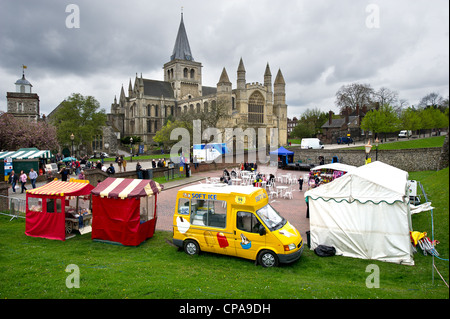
column 348, row 125
column 23, row 103
column 291, row 124
column 149, row 103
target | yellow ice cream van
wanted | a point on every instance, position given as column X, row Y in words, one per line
column 235, row 221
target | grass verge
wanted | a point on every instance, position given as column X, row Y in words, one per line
column 35, row 268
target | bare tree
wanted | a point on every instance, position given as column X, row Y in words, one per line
column 349, row 96
column 431, row 99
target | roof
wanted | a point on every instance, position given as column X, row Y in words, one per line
column 126, row 188
column 375, row 182
column 221, row 188
column 335, row 166
column 60, row 188
column 158, row 88
column 282, row 151
column 182, row 50
column 26, row 153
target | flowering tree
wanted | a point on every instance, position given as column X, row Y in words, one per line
column 18, row 133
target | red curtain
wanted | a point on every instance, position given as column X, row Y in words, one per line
column 46, row 225
column 118, row 220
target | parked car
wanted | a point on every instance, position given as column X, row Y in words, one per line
column 98, row 155
column 344, row 140
column 405, row 133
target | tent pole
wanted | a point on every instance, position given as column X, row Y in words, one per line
column 432, row 232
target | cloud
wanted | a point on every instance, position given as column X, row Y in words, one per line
column 318, row 45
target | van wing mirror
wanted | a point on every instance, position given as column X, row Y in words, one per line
column 261, row 230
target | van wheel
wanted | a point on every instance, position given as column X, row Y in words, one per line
column 191, row 247
column 268, row 259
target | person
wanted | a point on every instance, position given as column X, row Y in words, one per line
column 119, row 163
column 13, row 179
column 33, row 175
column 195, row 162
column 99, row 165
column 64, row 172
column 111, row 169
column 81, row 175
column 139, row 170
column 124, row 164
column 300, row 183
column 23, row 180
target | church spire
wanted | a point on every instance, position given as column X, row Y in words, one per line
column 182, row 50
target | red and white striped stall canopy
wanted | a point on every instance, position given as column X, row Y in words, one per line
column 126, row 187
column 60, row 188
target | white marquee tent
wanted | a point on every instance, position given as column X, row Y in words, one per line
column 364, row 214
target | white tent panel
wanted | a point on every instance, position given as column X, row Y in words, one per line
column 364, row 214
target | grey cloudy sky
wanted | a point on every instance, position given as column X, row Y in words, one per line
column 318, row 45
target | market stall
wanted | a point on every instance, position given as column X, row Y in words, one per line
column 57, row 208
column 326, row 173
column 364, row 214
column 125, row 210
column 282, row 157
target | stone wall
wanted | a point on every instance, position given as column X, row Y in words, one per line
column 410, row 160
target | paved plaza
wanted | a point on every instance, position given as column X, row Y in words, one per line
column 294, row 210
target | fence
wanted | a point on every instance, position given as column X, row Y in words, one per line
column 14, row 207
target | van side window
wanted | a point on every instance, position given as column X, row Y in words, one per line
column 183, row 206
column 211, row 213
column 247, row 222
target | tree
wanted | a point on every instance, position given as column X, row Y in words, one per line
column 18, row 133
column 162, row 137
column 410, row 119
column 304, row 130
column 383, row 120
column 349, row 96
column 80, row 116
column 431, row 99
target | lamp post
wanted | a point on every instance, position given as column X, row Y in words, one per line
column 367, row 147
column 72, row 137
column 131, row 149
column 376, row 148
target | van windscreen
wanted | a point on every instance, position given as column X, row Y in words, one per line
column 270, row 217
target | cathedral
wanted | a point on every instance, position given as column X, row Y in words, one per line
column 144, row 108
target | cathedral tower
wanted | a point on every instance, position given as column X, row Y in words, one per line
column 182, row 72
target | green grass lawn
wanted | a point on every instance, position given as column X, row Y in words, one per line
column 35, row 268
column 436, row 141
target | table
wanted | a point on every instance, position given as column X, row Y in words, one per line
column 280, row 189
column 236, row 181
column 215, row 180
column 286, row 177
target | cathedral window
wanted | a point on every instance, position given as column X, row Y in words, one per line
column 185, row 72
column 256, row 108
column 192, row 73
column 156, row 111
column 149, row 126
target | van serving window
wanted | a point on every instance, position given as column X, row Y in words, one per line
column 211, row 213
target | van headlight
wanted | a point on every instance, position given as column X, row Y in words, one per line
column 289, row 247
